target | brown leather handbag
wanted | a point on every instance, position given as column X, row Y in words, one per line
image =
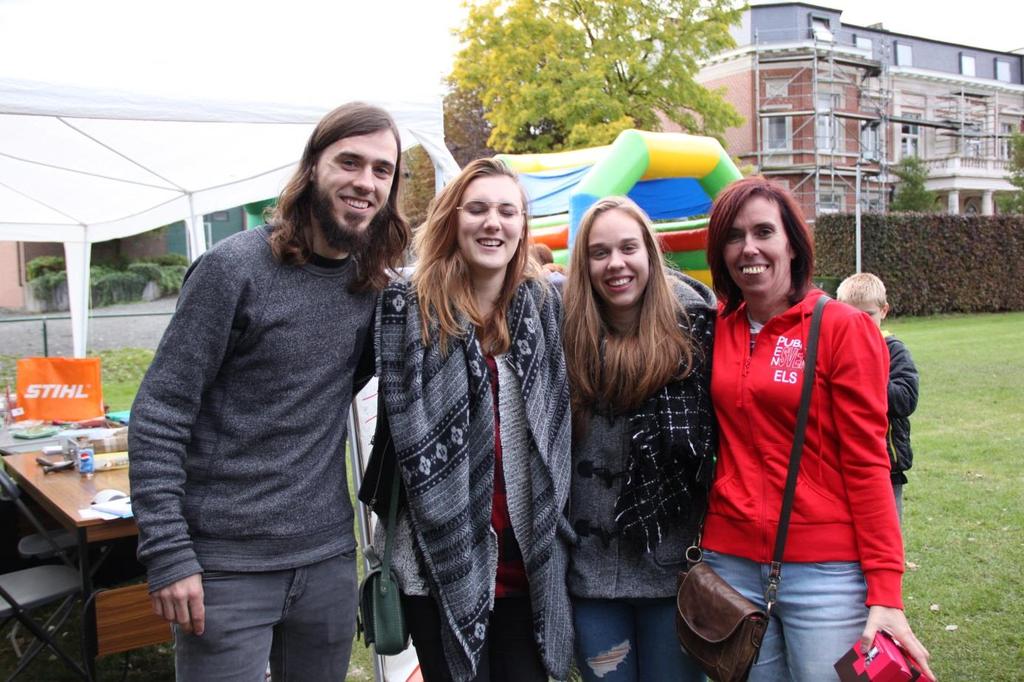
column 719, row 627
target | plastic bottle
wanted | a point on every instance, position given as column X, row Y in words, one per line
column 85, row 458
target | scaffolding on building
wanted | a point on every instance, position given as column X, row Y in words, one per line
column 823, row 110
column 829, row 110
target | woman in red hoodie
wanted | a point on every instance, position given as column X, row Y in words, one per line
column 843, row 562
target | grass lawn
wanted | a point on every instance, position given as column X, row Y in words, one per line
column 963, row 523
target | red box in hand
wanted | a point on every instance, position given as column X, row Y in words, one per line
column 885, row 661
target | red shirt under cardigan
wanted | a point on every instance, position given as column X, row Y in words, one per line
column 511, row 578
column 844, row 508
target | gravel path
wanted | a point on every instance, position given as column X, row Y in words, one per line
column 23, row 339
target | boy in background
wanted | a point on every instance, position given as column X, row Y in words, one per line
column 866, row 293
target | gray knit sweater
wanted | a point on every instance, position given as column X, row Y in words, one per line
column 237, row 438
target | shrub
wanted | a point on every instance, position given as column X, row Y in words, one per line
column 167, row 277
column 151, row 271
column 114, row 286
column 37, row 267
column 167, row 259
column 171, row 277
column 44, row 284
column 930, row 263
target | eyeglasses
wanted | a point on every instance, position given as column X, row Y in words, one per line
column 479, row 209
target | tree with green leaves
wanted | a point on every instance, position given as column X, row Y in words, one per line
column 564, row 74
column 911, row 194
column 1014, row 202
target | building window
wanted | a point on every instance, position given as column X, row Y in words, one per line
column 775, row 88
column 831, row 200
column 966, row 64
column 871, row 200
column 910, row 137
column 1002, row 70
column 219, row 216
column 869, row 141
column 863, row 43
column 1005, row 131
column 821, row 29
column 972, row 140
column 904, row 54
column 826, row 132
column 776, row 133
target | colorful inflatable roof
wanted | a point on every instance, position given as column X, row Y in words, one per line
column 671, row 176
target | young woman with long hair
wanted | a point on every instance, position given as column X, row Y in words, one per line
column 473, row 381
column 638, row 345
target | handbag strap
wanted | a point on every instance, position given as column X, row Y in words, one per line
column 385, row 568
column 795, row 454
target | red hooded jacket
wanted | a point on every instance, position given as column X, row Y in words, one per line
column 844, row 508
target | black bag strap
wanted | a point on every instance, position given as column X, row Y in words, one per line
column 389, row 540
column 795, row 454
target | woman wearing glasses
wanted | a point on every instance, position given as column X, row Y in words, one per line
column 638, row 348
column 473, row 381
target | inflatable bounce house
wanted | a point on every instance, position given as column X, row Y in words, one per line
column 672, row 176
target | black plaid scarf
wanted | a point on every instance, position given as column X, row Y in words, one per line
column 672, row 442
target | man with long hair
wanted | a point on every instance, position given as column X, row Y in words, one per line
column 238, row 430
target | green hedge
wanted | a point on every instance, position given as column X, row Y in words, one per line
column 111, row 284
column 167, row 259
column 930, row 263
column 115, row 286
column 167, row 276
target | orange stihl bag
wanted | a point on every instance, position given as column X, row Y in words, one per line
column 60, row 389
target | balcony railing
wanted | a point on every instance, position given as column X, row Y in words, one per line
column 971, row 165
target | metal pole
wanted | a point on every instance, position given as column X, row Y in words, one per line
column 46, row 345
column 856, row 213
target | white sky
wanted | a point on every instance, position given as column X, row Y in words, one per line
column 297, row 48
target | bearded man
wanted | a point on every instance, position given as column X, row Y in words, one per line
column 238, row 431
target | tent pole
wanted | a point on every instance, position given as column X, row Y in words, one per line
column 76, row 258
column 195, row 232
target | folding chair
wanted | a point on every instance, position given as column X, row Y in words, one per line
column 28, row 589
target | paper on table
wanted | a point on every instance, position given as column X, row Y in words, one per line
column 121, row 507
column 89, row 513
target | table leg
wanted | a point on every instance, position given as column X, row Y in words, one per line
column 89, row 612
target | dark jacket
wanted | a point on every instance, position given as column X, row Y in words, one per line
column 903, row 386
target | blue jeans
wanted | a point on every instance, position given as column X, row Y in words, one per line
column 819, row 614
column 630, row 640
column 302, row 620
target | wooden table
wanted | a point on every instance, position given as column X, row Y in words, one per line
column 62, row 494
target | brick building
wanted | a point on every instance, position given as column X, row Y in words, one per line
column 826, row 101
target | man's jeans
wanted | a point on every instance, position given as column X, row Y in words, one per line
column 302, row 620
column 630, row 640
column 819, row 614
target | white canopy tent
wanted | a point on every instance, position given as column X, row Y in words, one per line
column 102, row 136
